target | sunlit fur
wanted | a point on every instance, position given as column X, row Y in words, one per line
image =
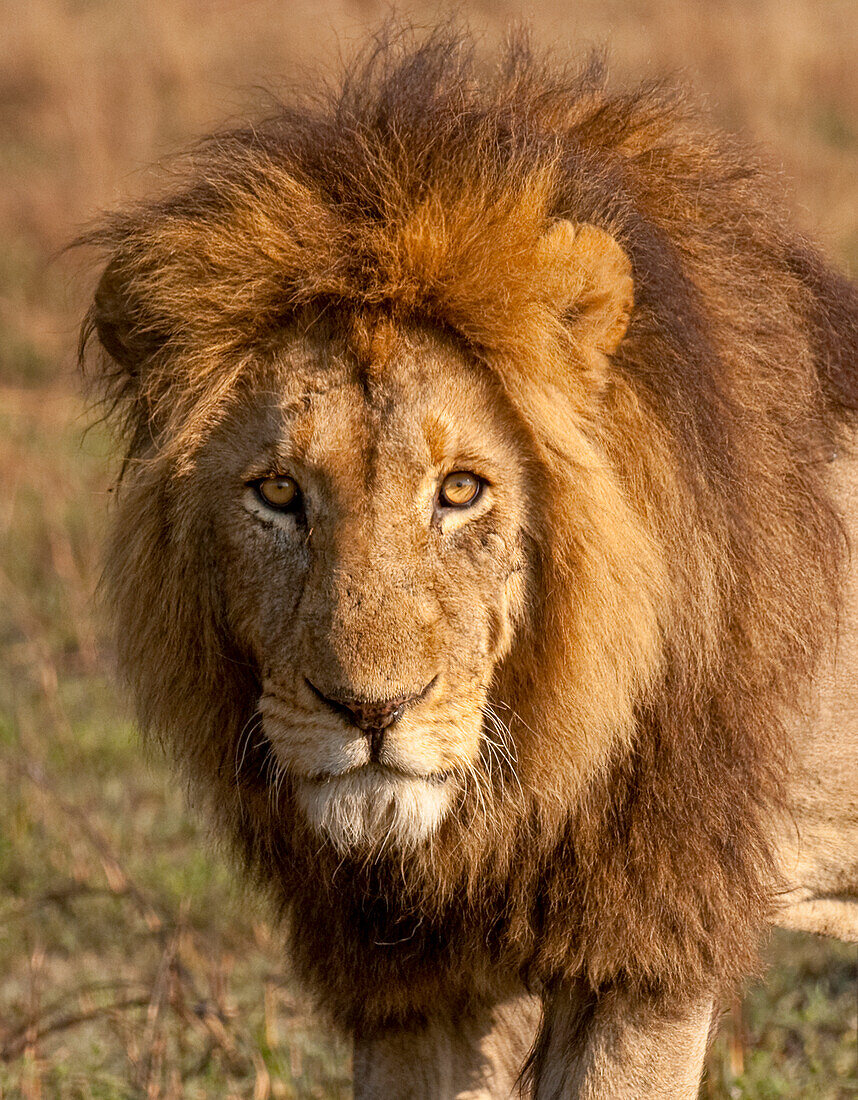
column 620, row 751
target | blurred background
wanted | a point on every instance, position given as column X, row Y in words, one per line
column 131, row 962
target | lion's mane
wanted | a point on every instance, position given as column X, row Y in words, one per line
column 419, row 190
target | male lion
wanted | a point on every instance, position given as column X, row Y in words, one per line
column 477, row 545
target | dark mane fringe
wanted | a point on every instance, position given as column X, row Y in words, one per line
column 721, row 405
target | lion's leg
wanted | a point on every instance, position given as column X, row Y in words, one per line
column 473, row 1057
column 615, row 1050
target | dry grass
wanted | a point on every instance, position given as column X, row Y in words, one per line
column 131, row 963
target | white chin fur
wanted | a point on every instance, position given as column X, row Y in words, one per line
column 368, row 809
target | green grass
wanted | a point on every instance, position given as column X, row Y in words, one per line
column 796, row 1034
column 127, row 946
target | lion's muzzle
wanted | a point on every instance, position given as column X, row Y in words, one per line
column 371, row 717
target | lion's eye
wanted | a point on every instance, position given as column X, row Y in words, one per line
column 459, row 490
column 281, row 493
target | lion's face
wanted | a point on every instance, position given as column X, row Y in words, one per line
column 376, row 593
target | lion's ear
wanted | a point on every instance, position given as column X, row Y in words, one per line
column 122, row 330
column 586, row 275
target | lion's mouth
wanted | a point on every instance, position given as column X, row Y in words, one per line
column 383, row 771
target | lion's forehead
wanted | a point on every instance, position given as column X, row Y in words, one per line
column 367, row 428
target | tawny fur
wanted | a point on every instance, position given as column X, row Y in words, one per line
column 685, row 559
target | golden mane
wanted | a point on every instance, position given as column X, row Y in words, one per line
column 687, row 555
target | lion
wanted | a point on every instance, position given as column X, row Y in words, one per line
column 479, row 553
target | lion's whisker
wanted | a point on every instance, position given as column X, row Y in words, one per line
column 243, row 741
column 506, row 744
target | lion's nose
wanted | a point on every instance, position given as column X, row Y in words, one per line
column 374, row 716
column 371, row 717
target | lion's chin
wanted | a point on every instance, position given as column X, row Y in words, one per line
column 371, row 808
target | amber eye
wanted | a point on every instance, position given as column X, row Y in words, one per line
column 459, row 490
column 281, row 493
